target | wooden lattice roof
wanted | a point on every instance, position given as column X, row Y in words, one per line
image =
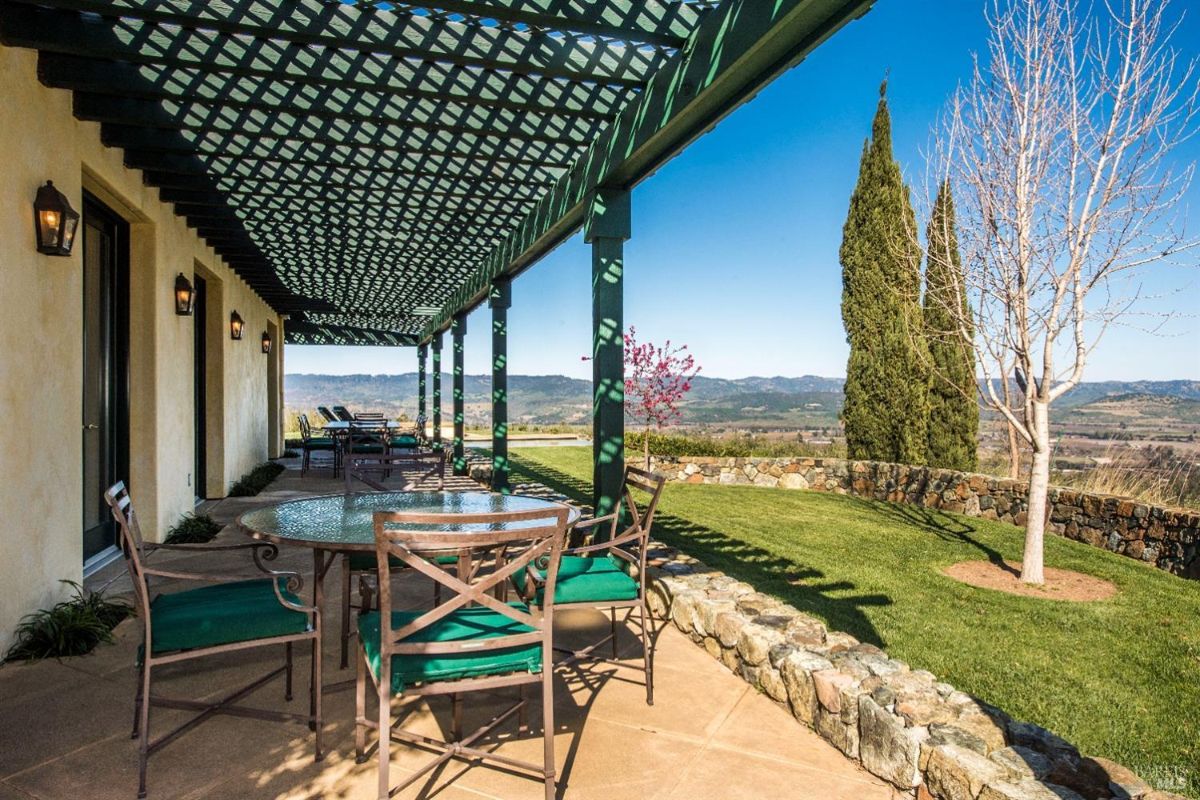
column 369, row 168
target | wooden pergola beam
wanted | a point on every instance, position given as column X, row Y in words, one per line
column 657, row 22
column 239, row 168
column 250, row 37
column 216, row 118
column 344, row 96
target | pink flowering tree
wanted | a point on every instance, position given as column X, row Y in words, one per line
column 656, row 380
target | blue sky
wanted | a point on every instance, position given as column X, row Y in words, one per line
column 735, row 242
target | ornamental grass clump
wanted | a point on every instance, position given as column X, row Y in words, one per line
column 71, row 628
column 193, row 529
column 256, row 479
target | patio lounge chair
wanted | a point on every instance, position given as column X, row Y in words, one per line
column 310, row 444
column 232, row 613
column 609, row 574
column 326, row 414
column 363, row 566
column 343, row 414
column 472, row 642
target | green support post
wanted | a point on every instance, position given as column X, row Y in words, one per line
column 422, row 353
column 457, row 329
column 499, row 300
column 437, row 388
column 607, row 228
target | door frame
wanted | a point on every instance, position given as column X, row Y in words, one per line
column 200, row 387
column 117, row 411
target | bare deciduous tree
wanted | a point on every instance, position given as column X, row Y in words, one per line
column 1059, row 153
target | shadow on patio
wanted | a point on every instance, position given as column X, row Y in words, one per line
column 708, row 735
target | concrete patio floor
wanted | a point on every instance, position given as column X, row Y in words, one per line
column 66, row 724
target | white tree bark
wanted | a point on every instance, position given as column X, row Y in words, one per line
column 1033, row 561
column 1058, row 152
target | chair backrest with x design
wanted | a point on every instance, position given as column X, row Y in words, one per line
column 372, row 470
column 492, row 547
column 631, row 543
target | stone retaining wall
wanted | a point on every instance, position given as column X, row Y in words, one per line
column 1167, row 538
column 923, row 736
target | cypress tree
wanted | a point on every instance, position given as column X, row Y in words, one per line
column 953, row 411
column 886, row 395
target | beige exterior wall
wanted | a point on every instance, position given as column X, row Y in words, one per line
column 41, row 350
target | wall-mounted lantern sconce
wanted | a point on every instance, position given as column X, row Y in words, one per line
column 236, row 324
column 185, row 296
column 55, row 221
column 266, row 342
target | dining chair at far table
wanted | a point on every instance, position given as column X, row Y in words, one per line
column 367, row 437
column 367, row 473
column 310, row 444
column 609, row 573
column 231, row 613
column 473, row 642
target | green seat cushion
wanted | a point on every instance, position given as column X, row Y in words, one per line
column 360, row 448
column 404, row 441
column 366, row 562
column 588, row 580
column 320, row 444
column 222, row 614
column 465, row 624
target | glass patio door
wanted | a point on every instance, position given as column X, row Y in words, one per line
column 105, row 373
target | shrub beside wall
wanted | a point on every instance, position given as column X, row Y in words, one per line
column 1165, row 537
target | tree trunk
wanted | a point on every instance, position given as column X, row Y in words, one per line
column 1039, row 483
column 1014, row 452
column 646, row 448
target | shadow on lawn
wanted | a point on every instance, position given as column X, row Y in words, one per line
column 946, row 527
column 797, row 584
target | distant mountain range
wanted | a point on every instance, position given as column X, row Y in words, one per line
column 809, row 401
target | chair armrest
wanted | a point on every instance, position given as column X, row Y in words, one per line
column 292, row 581
column 587, row 525
column 270, row 551
column 613, row 543
column 533, row 580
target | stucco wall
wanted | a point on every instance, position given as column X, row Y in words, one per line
column 41, row 352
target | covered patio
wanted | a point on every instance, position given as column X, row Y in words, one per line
column 355, row 173
column 709, row 734
column 375, row 171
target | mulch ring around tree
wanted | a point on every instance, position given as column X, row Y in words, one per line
column 1061, row 584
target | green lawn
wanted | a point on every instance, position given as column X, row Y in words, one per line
column 1120, row 677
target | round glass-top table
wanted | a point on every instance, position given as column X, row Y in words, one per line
column 331, row 525
column 343, row 523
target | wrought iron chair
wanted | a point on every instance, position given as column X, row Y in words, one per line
column 310, row 444
column 610, row 573
column 362, row 470
column 472, row 642
column 408, row 441
column 326, row 414
column 367, row 437
column 343, row 413
column 232, row 613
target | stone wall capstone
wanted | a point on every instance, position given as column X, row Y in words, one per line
column 1165, row 537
